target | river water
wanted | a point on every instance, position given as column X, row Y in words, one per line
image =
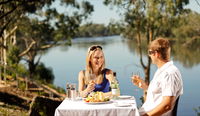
column 122, row 57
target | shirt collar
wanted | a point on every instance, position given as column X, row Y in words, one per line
column 161, row 69
column 166, row 65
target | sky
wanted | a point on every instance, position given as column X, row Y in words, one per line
column 104, row 14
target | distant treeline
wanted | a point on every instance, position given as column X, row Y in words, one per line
column 95, row 30
column 186, row 26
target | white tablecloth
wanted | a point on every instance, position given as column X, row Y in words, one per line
column 80, row 108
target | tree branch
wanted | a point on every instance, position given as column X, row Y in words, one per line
column 6, row 36
column 27, row 50
column 139, row 46
column 5, row 2
column 11, row 32
column 4, row 27
column 2, row 46
column 8, row 12
column 47, row 46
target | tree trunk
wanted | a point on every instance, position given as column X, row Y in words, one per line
column 32, row 68
column 8, row 37
column 147, row 76
column 5, row 54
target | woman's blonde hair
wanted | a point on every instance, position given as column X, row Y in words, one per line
column 89, row 70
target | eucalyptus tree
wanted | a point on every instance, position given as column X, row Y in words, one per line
column 10, row 12
column 147, row 19
column 39, row 25
column 50, row 29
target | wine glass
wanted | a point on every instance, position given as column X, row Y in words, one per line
column 136, row 78
column 93, row 78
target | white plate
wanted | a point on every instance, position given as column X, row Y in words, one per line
column 124, row 97
column 94, row 103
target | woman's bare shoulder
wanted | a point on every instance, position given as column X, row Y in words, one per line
column 81, row 74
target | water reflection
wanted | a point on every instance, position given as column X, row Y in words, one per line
column 187, row 55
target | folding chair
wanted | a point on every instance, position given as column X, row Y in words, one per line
column 174, row 111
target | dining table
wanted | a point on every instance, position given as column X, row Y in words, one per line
column 122, row 106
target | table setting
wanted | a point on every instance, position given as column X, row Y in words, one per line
column 123, row 105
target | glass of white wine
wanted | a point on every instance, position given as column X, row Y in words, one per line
column 136, row 78
column 93, row 78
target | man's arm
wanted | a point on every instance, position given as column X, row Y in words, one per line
column 163, row 107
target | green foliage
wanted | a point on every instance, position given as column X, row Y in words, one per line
column 13, row 60
column 47, row 27
column 189, row 26
column 37, row 30
column 152, row 18
column 44, row 74
column 12, row 55
column 7, row 110
column 88, row 8
column 22, row 70
column 22, row 85
column 12, row 10
column 197, row 110
column 90, row 30
column 14, row 68
column 184, row 52
column 57, row 88
column 95, row 30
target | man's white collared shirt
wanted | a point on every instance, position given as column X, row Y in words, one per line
column 167, row 81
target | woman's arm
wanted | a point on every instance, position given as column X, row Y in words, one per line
column 82, row 90
column 163, row 107
column 110, row 77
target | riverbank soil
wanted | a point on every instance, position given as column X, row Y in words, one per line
column 15, row 101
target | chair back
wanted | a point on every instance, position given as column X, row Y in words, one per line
column 174, row 111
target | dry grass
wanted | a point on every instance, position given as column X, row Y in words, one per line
column 11, row 110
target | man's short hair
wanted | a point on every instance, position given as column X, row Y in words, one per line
column 162, row 46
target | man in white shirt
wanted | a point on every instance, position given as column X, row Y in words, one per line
column 166, row 85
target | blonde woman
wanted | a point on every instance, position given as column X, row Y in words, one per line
column 95, row 77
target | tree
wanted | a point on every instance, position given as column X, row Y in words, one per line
column 148, row 19
column 188, row 26
column 43, row 34
column 39, row 26
column 10, row 12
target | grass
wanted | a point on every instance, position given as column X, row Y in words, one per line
column 11, row 110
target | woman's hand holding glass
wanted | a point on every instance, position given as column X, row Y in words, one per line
column 91, row 86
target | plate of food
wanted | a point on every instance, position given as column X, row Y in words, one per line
column 97, row 98
column 94, row 103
